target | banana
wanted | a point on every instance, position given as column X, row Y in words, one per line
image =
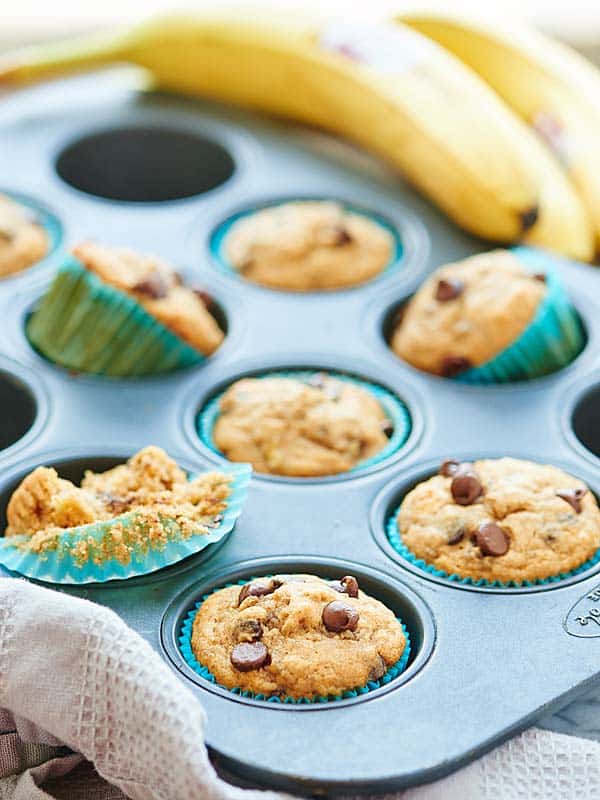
column 383, row 86
column 555, row 90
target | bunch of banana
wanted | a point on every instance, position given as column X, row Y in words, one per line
column 556, row 91
column 383, row 86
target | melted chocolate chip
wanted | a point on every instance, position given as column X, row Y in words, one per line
column 539, row 276
column 248, row 656
column 457, row 536
column 492, row 540
column 448, row 289
column 257, row 589
column 449, row 467
column 529, row 218
column 339, row 616
column 341, row 237
column 454, row 365
column 203, row 296
column 346, row 585
column 249, row 630
column 387, row 426
column 466, row 486
column 153, row 286
column 378, row 670
column 573, row 497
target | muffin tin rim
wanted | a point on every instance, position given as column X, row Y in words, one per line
column 195, row 399
column 179, row 605
column 573, row 393
column 395, row 491
column 407, row 228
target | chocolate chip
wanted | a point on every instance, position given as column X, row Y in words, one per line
column 573, row 497
column 465, row 487
column 457, row 536
column 387, row 426
column 257, row 589
column 203, row 296
column 378, row 670
column 449, row 467
column 341, row 237
column 492, row 540
column 540, row 276
column 152, row 286
column 7, row 234
column 529, row 218
column 339, row 616
column 454, row 365
column 347, row 585
column 448, row 289
column 250, row 655
column 249, row 630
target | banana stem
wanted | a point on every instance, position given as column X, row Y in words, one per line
column 35, row 63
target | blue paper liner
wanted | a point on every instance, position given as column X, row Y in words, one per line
column 394, row 408
column 86, row 325
column 553, row 339
column 61, row 567
column 395, row 539
column 219, row 237
column 185, row 646
column 49, row 223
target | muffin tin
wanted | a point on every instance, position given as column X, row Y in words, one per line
column 485, row 663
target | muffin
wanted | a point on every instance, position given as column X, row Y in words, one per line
column 492, row 317
column 308, row 245
column 23, row 241
column 500, row 520
column 141, row 512
column 116, row 312
column 296, row 636
column 300, row 428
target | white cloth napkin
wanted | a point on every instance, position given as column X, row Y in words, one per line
column 73, row 674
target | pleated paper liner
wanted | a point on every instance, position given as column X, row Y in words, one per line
column 394, row 408
column 60, row 565
column 218, row 240
column 88, row 326
column 395, row 539
column 185, row 645
column 49, row 223
column 551, row 341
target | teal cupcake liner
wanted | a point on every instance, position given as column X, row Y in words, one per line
column 185, row 646
column 88, row 326
column 395, row 539
column 551, row 341
column 48, row 222
column 395, row 409
column 59, row 566
column 219, row 236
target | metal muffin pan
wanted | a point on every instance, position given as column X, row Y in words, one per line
column 485, row 664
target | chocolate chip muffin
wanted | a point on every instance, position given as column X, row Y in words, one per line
column 23, row 241
column 296, row 636
column 503, row 520
column 158, row 288
column 467, row 313
column 293, row 427
column 308, row 245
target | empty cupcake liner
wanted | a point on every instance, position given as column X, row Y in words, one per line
column 394, row 408
column 60, row 566
column 185, row 646
column 395, row 539
column 219, row 237
column 49, row 223
column 551, row 341
column 88, row 326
